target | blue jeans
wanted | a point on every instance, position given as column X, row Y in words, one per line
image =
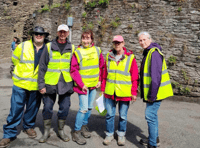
column 85, row 108
column 152, row 121
column 49, row 101
column 110, row 117
column 19, row 99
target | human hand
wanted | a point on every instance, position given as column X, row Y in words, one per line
column 98, row 84
column 133, row 99
column 43, row 90
column 84, row 89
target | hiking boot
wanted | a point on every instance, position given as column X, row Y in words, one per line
column 146, row 141
column 31, row 133
column 85, row 131
column 108, row 140
column 61, row 133
column 47, row 126
column 78, row 138
column 121, row 140
column 4, row 142
column 150, row 146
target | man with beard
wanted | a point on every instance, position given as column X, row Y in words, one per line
column 25, row 89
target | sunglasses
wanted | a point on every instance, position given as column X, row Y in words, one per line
column 41, row 34
column 117, row 43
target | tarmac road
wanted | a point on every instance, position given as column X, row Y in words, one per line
column 179, row 123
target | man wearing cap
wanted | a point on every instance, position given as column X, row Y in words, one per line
column 54, row 78
column 119, row 85
column 25, row 92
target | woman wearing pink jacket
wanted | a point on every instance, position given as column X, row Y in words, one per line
column 119, row 85
column 86, row 69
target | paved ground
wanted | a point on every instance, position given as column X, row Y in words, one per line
column 179, row 123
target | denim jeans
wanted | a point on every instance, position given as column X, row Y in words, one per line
column 110, row 117
column 19, row 99
column 85, row 108
column 49, row 101
column 152, row 121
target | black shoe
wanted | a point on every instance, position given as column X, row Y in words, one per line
column 146, row 141
column 149, row 146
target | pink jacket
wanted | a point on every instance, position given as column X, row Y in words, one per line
column 134, row 79
column 77, row 77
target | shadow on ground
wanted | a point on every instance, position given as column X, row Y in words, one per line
column 96, row 123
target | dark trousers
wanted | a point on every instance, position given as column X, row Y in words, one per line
column 19, row 99
column 49, row 101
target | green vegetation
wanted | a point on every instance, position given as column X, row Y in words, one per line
column 55, row 5
column 115, row 23
column 84, row 28
column 179, row 9
column 130, row 26
column 84, row 14
column 176, row 85
column 137, row 32
column 172, row 60
column 67, row 5
column 90, row 26
column 184, row 75
column 185, row 91
column 90, row 5
column 198, row 58
column 103, row 2
column 45, row 8
column 95, row 3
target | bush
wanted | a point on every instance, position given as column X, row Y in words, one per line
column 172, row 60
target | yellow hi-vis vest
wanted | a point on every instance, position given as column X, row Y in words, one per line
column 58, row 64
column 24, row 75
column 165, row 89
column 88, row 59
column 119, row 77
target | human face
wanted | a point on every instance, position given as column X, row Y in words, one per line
column 118, row 46
column 38, row 37
column 86, row 40
column 144, row 41
column 62, row 35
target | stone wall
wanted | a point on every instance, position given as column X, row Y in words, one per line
column 174, row 24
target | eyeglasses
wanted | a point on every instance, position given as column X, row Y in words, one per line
column 117, row 43
column 41, row 34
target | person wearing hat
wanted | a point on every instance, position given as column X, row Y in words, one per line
column 119, row 86
column 54, row 79
column 25, row 92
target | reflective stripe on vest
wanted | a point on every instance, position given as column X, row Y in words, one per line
column 58, row 66
column 165, row 89
column 119, row 77
column 24, row 75
column 89, row 69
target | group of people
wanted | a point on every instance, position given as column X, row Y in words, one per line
column 44, row 71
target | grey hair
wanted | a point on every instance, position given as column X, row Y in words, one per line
column 144, row 33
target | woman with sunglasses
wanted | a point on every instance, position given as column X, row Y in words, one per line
column 86, row 67
column 119, row 85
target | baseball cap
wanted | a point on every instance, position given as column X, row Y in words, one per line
column 63, row 27
column 118, row 38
